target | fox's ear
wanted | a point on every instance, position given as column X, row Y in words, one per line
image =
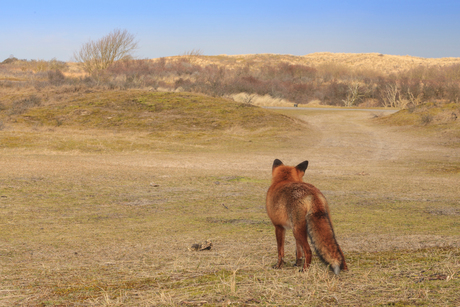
column 302, row 166
column 276, row 163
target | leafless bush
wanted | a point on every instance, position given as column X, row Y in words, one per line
column 415, row 100
column 332, row 71
column 334, row 93
column 288, row 72
column 453, row 92
column 391, row 95
column 98, row 55
column 56, row 77
column 332, row 84
column 353, row 95
column 22, row 105
column 248, row 98
column 10, row 59
column 193, row 52
column 183, row 84
column 6, row 84
column 426, row 119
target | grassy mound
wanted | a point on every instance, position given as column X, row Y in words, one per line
column 141, row 119
column 440, row 119
column 428, row 114
column 151, row 111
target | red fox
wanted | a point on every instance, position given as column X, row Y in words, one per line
column 292, row 203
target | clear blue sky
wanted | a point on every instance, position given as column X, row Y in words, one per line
column 56, row 29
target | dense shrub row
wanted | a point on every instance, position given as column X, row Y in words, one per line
column 327, row 84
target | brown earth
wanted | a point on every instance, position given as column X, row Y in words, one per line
column 114, row 229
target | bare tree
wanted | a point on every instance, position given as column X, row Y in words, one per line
column 391, row 94
column 248, row 98
column 97, row 55
column 353, row 95
column 415, row 100
column 392, row 97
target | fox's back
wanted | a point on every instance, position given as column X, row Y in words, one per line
column 289, row 202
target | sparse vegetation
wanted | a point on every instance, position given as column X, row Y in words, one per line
column 108, row 180
column 94, row 217
column 281, row 78
column 21, row 106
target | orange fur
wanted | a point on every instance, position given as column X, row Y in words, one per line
column 292, row 203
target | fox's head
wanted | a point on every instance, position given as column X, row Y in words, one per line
column 281, row 172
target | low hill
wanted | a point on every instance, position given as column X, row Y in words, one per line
column 118, row 118
column 438, row 119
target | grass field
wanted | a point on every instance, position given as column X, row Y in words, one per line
column 101, row 199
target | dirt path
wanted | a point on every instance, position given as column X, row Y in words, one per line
column 353, row 139
column 349, row 138
column 363, row 162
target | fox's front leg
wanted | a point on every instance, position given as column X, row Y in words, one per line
column 280, row 232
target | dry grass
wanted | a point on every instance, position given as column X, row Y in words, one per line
column 381, row 63
column 258, row 100
column 368, row 80
column 101, row 224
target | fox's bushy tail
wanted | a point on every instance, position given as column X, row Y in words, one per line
column 321, row 233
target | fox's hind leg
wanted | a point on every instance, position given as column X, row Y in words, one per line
column 344, row 265
column 300, row 235
column 298, row 254
column 280, row 232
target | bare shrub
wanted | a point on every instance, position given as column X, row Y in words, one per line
column 248, row 99
column 70, row 88
column 453, row 92
column 335, row 93
column 21, row 106
column 300, row 92
column 330, row 83
column 332, row 71
column 258, row 100
column 6, row 84
column 353, row 95
column 184, row 84
column 287, row 71
column 127, row 67
column 98, row 55
column 426, row 119
column 193, row 52
column 56, row 77
column 11, row 59
column 391, row 95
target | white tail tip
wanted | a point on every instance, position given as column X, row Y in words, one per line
column 336, row 269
